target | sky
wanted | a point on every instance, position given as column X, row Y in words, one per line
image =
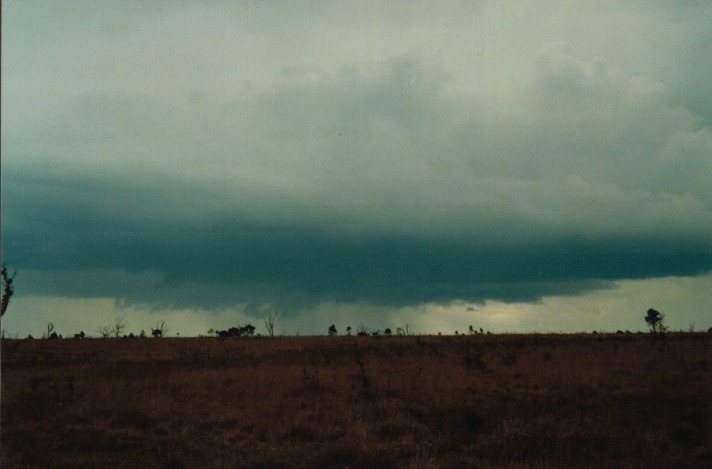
column 520, row 166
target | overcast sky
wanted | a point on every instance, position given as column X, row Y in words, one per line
column 517, row 166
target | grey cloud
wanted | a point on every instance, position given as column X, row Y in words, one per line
column 238, row 169
column 386, row 150
column 226, row 263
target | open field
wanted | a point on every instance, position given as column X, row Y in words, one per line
column 452, row 401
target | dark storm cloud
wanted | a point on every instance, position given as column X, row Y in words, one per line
column 214, row 156
column 170, row 264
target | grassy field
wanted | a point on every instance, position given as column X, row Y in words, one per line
column 453, row 401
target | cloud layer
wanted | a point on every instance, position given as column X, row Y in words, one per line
column 218, row 155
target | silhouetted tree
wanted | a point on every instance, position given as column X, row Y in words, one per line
column 269, row 323
column 8, row 289
column 50, row 328
column 332, row 330
column 348, row 330
column 656, row 321
column 119, row 326
column 105, row 331
column 160, row 330
column 246, row 330
column 388, row 331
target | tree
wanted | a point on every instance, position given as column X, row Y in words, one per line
column 348, row 330
column 8, row 289
column 105, row 331
column 269, row 323
column 50, row 328
column 332, row 330
column 160, row 330
column 656, row 321
column 119, row 326
column 362, row 330
column 246, row 331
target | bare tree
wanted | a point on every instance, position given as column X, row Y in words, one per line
column 120, row 325
column 160, row 330
column 50, row 328
column 269, row 323
column 8, row 289
column 105, row 331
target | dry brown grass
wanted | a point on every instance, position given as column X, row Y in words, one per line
column 476, row 401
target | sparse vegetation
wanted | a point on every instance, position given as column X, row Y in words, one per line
column 505, row 401
column 105, row 331
column 243, row 331
column 656, row 320
column 160, row 330
column 50, row 331
column 269, row 323
column 7, row 289
column 404, row 331
column 120, row 326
